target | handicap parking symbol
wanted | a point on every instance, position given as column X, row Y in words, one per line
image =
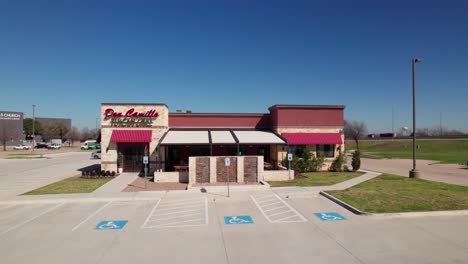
column 238, row 220
column 111, row 224
column 330, row 216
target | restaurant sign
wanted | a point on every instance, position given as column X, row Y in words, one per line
column 130, row 118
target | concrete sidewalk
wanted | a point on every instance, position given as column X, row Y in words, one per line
column 117, row 184
column 430, row 170
column 313, row 191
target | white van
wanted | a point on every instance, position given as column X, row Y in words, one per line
column 88, row 142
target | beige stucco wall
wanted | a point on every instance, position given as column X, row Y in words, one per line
column 282, row 153
column 159, row 126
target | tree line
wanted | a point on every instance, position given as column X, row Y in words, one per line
column 57, row 130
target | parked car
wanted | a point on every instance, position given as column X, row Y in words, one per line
column 54, row 146
column 42, row 145
column 21, row 147
column 96, row 155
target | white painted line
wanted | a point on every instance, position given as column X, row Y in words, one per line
column 151, row 213
column 284, row 218
column 172, row 204
column 178, row 216
column 292, row 209
column 282, row 212
column 272, row 209
column 179, row 207
column 260, row 208
column 271, row 203
column 91, row 215
column 178, row 212
column 180, row 201
column 269, row 198
column 31, row 219
column 185, row 221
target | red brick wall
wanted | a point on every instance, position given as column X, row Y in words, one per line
column 229, row 120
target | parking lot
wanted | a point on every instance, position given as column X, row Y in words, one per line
column 248, row 227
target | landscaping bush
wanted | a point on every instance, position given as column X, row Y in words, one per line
column 316, row 163
column 113, row 173
column 356, row 161
column 337, row 164
column 345, row 168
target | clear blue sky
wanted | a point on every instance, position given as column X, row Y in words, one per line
column 235, row 56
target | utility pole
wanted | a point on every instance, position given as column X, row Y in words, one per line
column 393, row 121
column 414, row 173
column 34, row 127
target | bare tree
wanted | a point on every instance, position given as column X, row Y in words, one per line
column 74, row 134
column 355, row 130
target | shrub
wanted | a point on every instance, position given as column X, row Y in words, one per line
column 356, row 161
column 108, row 173
column 345, row 168
column 113, row 173
column 337, row 164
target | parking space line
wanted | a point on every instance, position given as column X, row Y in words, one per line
column 31, row 219
column 179, row 207
column 174, row 213
column 281, row 209
column 92, row 215
column 168, row 218
column 166, row 205
column 151, row 213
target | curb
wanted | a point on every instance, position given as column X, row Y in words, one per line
column 393, row 215
column 342, row 204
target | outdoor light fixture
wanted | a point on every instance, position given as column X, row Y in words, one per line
column 414, row 173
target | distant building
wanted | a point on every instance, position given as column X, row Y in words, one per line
column 11, row 128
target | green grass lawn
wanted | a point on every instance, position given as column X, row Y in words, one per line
column 70, row 185
column 317, row 179
column 390, row 193
column 445, row 151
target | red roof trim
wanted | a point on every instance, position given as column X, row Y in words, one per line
column 131, row 136
column 312, row 138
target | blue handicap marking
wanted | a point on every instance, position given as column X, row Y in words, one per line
column 330, row 216
column 238, row 220
column 111, row 224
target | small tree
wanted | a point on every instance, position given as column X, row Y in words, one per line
column 28, row 127
column 337, row 164
column 356, row 161
column 355, row 130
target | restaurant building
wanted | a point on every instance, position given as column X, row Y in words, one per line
column 191, row 147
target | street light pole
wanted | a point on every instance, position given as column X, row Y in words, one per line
column 414, row 173
column 34, row 127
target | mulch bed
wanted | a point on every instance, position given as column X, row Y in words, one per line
column 139, row 186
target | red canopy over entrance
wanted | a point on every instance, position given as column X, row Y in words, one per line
column 312, row 138
column 131, row 136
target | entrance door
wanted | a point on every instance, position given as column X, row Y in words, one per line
column 132, row 156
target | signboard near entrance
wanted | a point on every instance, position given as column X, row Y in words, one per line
column 145, row 160
column 289, row 156
column 227, row 162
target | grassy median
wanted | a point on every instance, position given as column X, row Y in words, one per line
column 446, row 151
column 390, row 194
column 74, row 184
column 317, row 179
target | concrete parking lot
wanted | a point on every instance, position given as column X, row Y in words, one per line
column 188, row 227
column 18, row 176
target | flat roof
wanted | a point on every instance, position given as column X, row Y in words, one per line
column 135, row 104
column 308, row 106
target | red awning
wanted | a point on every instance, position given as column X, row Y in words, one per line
column 312, row 138
column 131, row 136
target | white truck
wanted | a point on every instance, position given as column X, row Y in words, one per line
column 87, row 143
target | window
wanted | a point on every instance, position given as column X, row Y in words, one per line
column 328, row 151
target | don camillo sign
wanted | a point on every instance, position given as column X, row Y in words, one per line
column 130, row 118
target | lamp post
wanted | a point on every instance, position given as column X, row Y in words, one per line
column 414, row 173
column 33, row 128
